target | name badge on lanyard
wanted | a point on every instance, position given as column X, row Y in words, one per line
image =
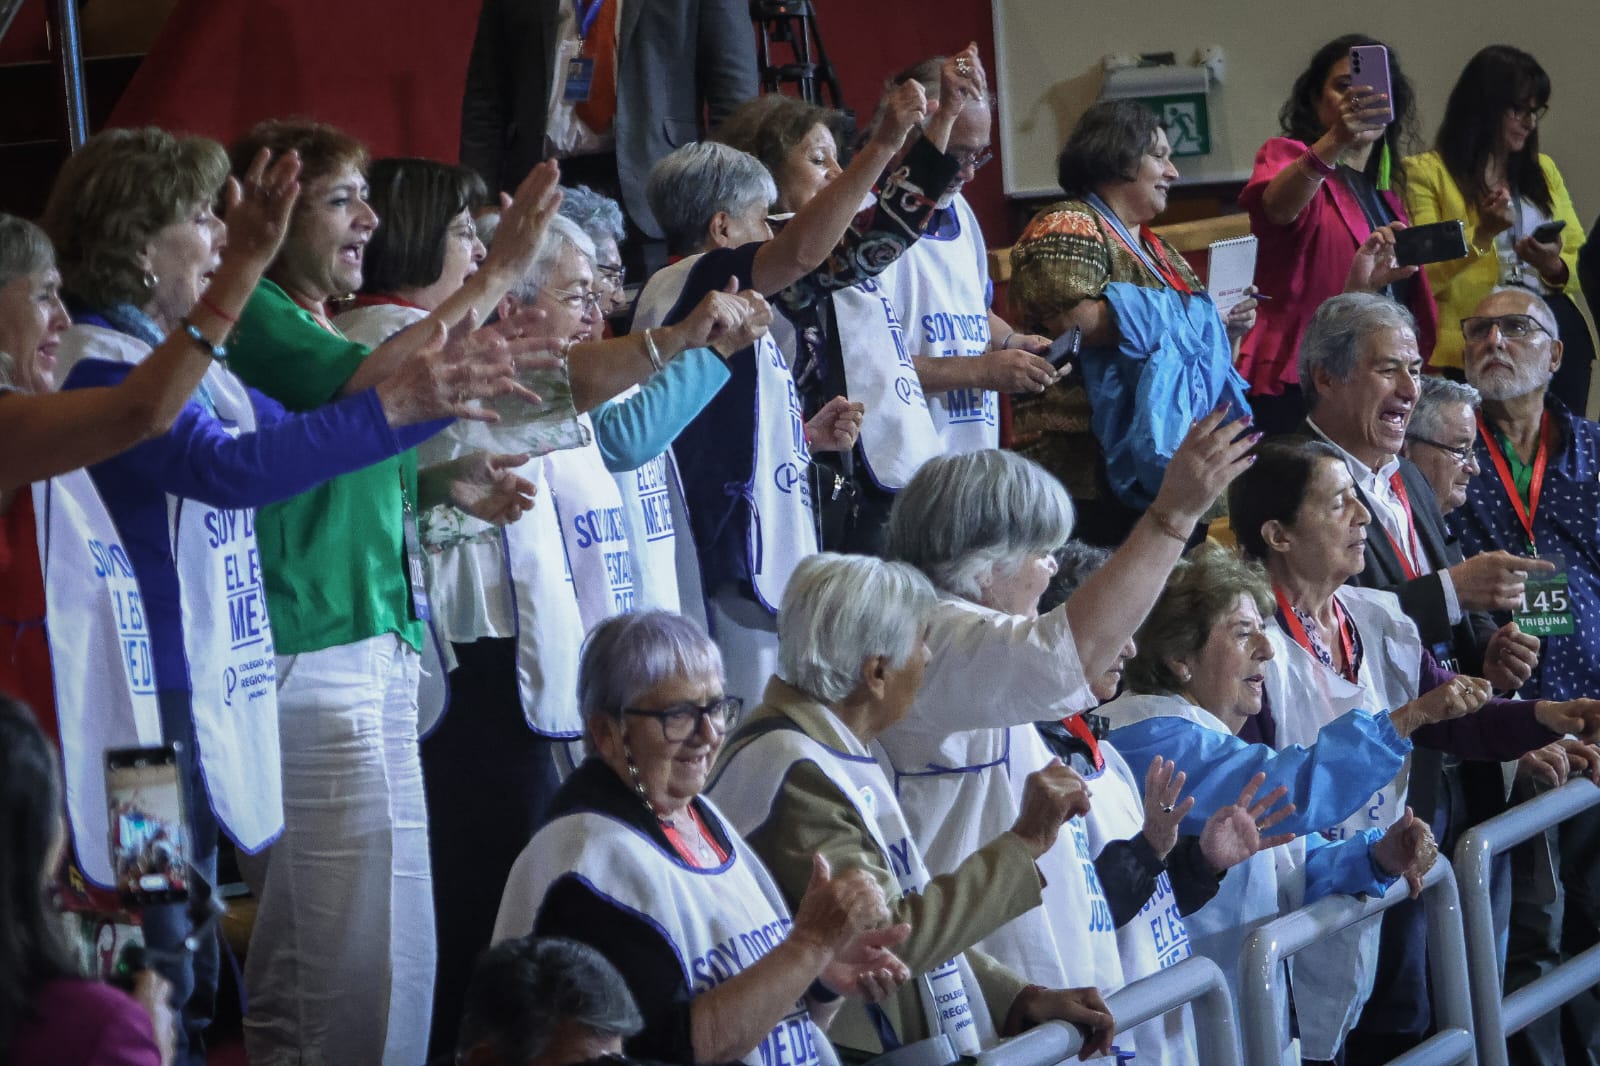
column 580, row 67
column 1546, row 607
column 413, row 543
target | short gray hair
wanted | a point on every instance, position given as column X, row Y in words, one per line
column 563, row 233
column 840, row 610
column 689, row 185
column 1435, row 393
column 1541, row 307
column 24, row 251
column 626, row 656
column 596, row 214
column 521, row 990
column 1332, row 341
column 963, row 516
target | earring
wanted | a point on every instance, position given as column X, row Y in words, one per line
column 1186, row 676
column 638, row 785
column 151, row 281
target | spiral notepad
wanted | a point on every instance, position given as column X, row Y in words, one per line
column 1230, row 270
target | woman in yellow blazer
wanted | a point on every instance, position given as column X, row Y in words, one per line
column 1486, row 169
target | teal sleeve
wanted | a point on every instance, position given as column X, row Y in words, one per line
column 1345, row 866
column 633, row 431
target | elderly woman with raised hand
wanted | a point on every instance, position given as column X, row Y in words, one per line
column 52, row 433
column 600, row 217
column 753, row 508
column 341, row 957
column 1486, row 169
column 1338, row 647
column 1195, row 681
column 983, row 528
column 635, row 862
column 1326, row 189
column 802, row 781
column 1092, row 262
column 847, row 338
column 1152, row 874
column 131, row 214
column 514, row 603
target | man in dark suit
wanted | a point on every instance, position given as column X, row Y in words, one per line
column 1361, row 372
column 606, row 86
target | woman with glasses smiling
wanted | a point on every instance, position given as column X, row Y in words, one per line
column 635, row 862
column 1486, row 169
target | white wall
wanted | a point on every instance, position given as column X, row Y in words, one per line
column 1049, row 52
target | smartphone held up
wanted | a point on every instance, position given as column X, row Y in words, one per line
column 149, row 836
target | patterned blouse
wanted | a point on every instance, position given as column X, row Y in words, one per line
column 1068, row 254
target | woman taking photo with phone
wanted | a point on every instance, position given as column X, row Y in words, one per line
column 1522, row 230
column 1330, row 186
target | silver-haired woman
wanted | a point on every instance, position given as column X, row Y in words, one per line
column 799, row 780
column 983, row 527
column 635, row 862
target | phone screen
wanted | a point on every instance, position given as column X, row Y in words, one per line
column 149, row 838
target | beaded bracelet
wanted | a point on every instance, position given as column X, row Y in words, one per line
column 219, row 352
column 1317, row 166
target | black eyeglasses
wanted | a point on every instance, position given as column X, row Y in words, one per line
column 1512, row 327
column 682, row 721
column 1530, row 114
column 1461, row 454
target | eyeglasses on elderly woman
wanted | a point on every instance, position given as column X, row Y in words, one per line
column 1512, row 327
column 588, row 300
column 681, row 721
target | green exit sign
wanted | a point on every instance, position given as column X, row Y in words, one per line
column 1188, row 124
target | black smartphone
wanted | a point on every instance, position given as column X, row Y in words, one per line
column 1549, row 232
column 149, row 835
column 1064, row 348
column 1437, row 242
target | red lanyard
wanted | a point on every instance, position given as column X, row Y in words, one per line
column 1080, row 729
column 1406, row 558
column 1347, row 637
column 1525, row 514
column 1164, row 265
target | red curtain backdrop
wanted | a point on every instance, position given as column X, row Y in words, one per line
column 391, row 71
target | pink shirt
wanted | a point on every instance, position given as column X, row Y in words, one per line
column 85, row 1023
column 1301, row 264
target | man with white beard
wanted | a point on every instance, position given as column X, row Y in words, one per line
column 1539, row 493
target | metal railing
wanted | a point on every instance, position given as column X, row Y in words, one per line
column 1498, row 1015
column 1194, row 980
column 1282, row 937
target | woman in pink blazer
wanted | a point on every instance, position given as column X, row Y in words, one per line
column 1316, row 195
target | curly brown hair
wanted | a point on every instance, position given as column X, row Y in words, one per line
column 1203, row 587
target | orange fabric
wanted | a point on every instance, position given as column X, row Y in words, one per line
column 600, row 44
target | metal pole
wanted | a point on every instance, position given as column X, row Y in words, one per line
column 71, row 58
column 1495, row 1016
column 1282, row 937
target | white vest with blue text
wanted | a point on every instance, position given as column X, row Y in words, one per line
column 747, row 784
column 783, row 523
column 941, row 290
column 100, row 657
column 227, row 637
column 718, row 921
column 1156, row 937
column 1306, row 695
column 897, row 434
column 589, row 508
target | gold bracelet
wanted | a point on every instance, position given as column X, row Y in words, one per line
column 1165, row 523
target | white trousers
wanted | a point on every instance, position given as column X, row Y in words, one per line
column 747, row 636
column 341, row 962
